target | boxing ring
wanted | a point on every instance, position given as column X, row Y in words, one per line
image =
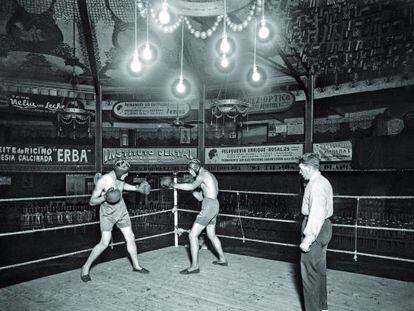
column 249, row 282
column 356, row 227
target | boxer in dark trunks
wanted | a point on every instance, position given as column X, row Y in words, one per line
column 208, row 215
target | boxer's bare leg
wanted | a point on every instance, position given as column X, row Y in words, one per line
column 211, row 233
column 96, row 251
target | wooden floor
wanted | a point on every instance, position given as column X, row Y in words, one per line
column 248, row 283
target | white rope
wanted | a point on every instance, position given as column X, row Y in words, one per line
column 45, row 198
column 256, row 240
column 48, row 229
column 296, row 221
column 372, row 255
column 262, row 192
column 330, row 250
column 150, row 214
column 74, row 226
column 382, row 197
column 55, row 197
column 378, row 197
column 75, row 253
column 375, row 228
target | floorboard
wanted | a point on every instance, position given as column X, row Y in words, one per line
column 248, row 283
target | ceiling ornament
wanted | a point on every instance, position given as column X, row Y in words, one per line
column 234, row 109
column 237, row 27
column 188, row 9
column 166, row 28
column 204, row 34
column 72, row 117
column 208, row 8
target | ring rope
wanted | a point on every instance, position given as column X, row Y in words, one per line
column 378, row 197
column 330, row 250
column 261, row 192
column 75, row 253
column 403, row 197
column 45, row 198
column 75, row 225
column 296, row 221
column 355, row 226
column 407, row 197
column 375, row 228
column 54, row 197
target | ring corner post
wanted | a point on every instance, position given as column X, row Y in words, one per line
column 176, row 211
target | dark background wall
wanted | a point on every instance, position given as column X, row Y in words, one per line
column 351, row 183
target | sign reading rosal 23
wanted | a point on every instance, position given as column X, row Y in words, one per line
column 254, row 154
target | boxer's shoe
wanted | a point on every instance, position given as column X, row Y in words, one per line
column 142, row 270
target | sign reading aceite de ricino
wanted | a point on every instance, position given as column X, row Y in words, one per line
column 143, row 156
column 254, row 154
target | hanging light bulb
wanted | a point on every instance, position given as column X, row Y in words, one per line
column 147, row 53
column 135, row 65
column 224, row 61
column 224, row 45
column 224, row 64
column 264, row 31
column 256, row 76
column 180, row 87
column 164, row 16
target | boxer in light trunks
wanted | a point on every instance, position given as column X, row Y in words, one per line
column 208, row 215
column 113, row 211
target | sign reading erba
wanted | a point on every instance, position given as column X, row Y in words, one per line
column 46, row 155
column 150, row 110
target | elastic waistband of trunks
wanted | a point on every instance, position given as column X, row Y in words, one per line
column 209, row 199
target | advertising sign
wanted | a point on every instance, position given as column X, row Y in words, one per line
column 274, row 102
column 334, row 151
column 46, row 155
column 35, row 103
column 254, row 154
column 150, row 110
column 142, row 156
